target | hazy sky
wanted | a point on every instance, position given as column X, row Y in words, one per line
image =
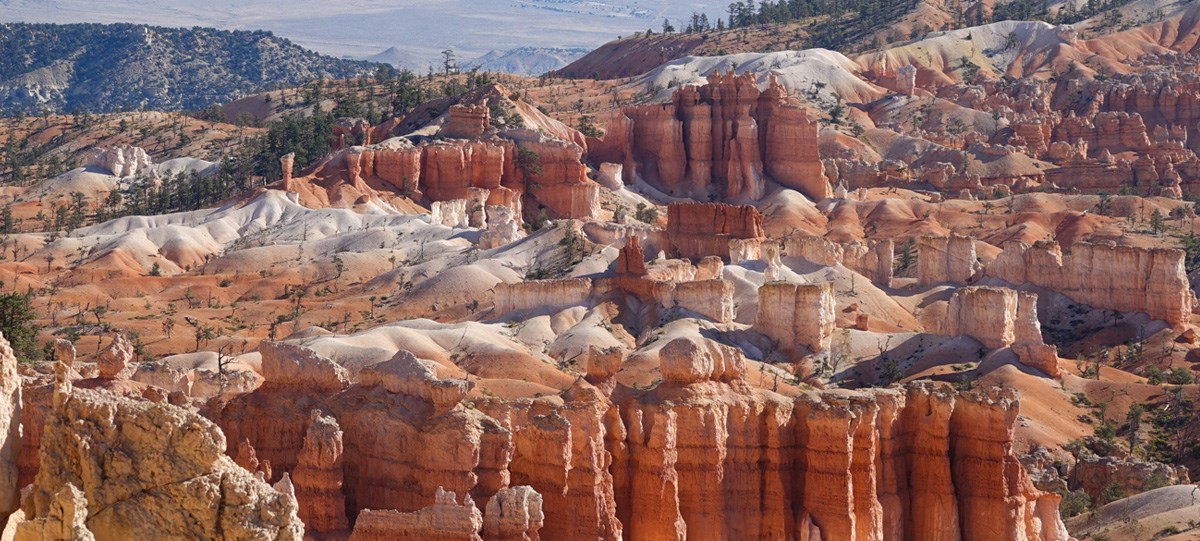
column 360, row 28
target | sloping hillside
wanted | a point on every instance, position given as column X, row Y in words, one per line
column 104, row 68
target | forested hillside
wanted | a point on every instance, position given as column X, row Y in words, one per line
column 103, row 68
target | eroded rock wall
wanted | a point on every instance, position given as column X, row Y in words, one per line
column 1122, row 278
column 946, row 260
column 725, row 138
column 797, row 316
column 872, row 258
column 541, row 294
column 697, row 230
column 702, row 455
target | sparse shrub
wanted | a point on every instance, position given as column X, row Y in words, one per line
column 1074, row 503
column 1179, row 376
column 1111, row 493
column 646, row 213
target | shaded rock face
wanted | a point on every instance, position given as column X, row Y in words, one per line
column 725, row 138
column 10, row 429
column 1095, row 474
column 66, row 521
column 163, row 474
column 872, row 258
column 697, row 230
column 318, row 477
column 1122, row 278
column 1000, row 318
column 700, row 456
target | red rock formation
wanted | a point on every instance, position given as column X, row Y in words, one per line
column 705, row 458
column 536, row 158
column 725, row 137
column 247, row 458
column 696, row 230
column 275, row 418
column 700, row 456
column 398, row 164
column 466, row 121
column 559, row 452
column 431, row 439
column 450, row 168
column 996, row 499
column 790, row 150
column 632, row 260
column 318, row 477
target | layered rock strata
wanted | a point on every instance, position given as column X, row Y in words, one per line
column 724, row 138
column 445, row 520
column 797, row 316
column 880, row 464
column 946, row 260
column 1122, row 278
column 541, row 294
column 872, row 258
column 1001, row 318
column 697, row 230
column 318, row 477
column 700, row 456
column 712, row 299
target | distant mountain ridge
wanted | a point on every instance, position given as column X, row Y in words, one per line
column 104, row 68
column 529, row 61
